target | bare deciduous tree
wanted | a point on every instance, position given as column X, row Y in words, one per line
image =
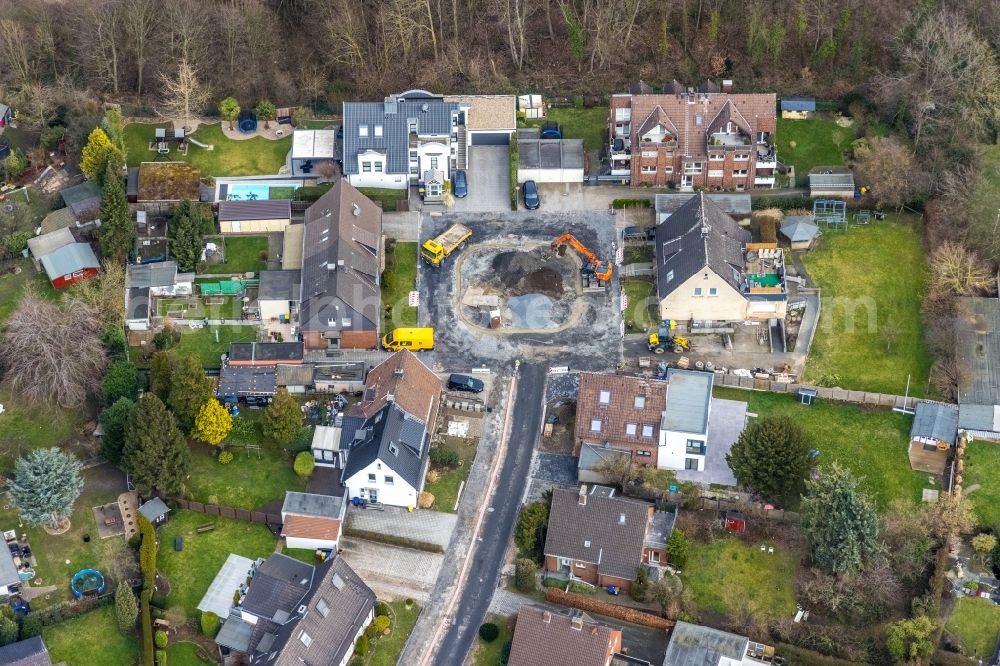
column 183, row 93
column 52, row 353
column 140, row 18
column 889, row 169
column 955, row 270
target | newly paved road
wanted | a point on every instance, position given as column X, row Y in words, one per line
column 498, row 525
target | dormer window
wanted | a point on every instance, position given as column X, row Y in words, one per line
column 605, row 398
column 640, row 402
column 305, row 638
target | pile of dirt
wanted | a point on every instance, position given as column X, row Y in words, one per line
column 521, row 273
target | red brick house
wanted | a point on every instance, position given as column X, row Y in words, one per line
column 620, row 412
column 568, row 638
column 601, row 538
column 694, row 137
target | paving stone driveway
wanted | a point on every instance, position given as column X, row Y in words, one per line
column 428, row 526
column 392, row 572
column 489, row 180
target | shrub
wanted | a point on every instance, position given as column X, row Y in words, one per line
column 554, row 582
column 159, row 600
column 161, row 657
column 210, row 624
column 513, row 171
column 161, row 639
column 409, row 602
column 31, row 626
column 381, row 608
column 619, row 204
column 305, row 463
column 677, row 549
column 381, row 623
column 361, row 647
column 489, row 631
column 505, row 652
column 126, row 608
column 446, row 457
column 524, row 575
column 595, row 605
column 310, row 192
column 638, row 589
column 529, row 532
column 425, row 500
column 581, row 588
column 225, row 457
column 147, row 627
column 578, row 102
column 16, row 242
column 371, row 632
column 51, row 136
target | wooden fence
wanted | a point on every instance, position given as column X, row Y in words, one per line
column 259, row 517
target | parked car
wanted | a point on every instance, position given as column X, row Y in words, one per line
column 530, row 192
column 458, row 382
column 459, row 185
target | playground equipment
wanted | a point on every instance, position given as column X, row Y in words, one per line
column 248, row 121
column 87, row 581
column 831, row 212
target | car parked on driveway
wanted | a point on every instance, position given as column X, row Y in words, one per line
column 529, row 191
column 458, row 382
column 460, row 185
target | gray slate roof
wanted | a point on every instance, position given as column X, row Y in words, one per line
column 279, row 286
column 432, row 115
column 340, row 262
column 984, row 418
column 277, row 588
column 933, row 420
column 689, row 399
column 798, row 104
column 83, row 199
column 153, row 509
column 832, row 181
column 389, row 429
column 607, row 531
column 697, row 235
column 8, row 572
column 308, row 504
column 29, row 652
column 978, row 347
column 799, row 229
column 695, row 645
column 265, row 209
column 729, row 202
column 159, row 274
column 69, row 259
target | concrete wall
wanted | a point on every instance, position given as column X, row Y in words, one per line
column 311, row 544
column 550, row 175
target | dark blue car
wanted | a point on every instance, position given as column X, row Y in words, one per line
column 530, row 192
column 459, row 185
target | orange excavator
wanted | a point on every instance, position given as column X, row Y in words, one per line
column 602, row 269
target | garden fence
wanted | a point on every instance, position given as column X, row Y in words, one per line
column 260, row 517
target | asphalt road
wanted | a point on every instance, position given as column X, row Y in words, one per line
column 498, row 525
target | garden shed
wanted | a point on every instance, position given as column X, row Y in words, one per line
column 155, row 511
column 797, row 108
column 800, row 231
column 831, row 183
column 935, row 427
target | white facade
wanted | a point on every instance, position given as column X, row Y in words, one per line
column 434, row 156
column 350, row 653
column 311, row 544
column 550, row 175
column 371, row 173
column 679, row 450
column 378, row 482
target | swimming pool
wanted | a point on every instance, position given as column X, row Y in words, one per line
column 259, row 191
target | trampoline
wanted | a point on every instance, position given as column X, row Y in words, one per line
column 87, row 581
column 248, row 122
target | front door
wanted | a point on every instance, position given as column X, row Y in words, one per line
column 373, row 495
column 565, row 565
column 687, row 181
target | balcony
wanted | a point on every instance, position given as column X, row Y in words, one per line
column 764, row 181
column 767, row 156
column 621, row 148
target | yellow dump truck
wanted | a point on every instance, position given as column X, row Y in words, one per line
column 436, row 250
column 414, row 339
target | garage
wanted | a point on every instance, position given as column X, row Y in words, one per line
column 490, row 138
column 254, row 217
column 549, row 160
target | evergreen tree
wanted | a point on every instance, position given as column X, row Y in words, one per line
column 189, row 389
column 126, row 607
column 282, row 418
column 94, row 157
column 160, row 370
column 46, row 484
column 120, row 381
column 840, row 523
column 115, row 419
column 8, row 630
column 771, row 457
column 114, row 127
column 155, row 454
column 117, row 232
column 185, row 234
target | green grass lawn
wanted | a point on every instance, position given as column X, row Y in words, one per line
column 726, row 576
column 388, row 648
column 25, row 427
column 184, row 653
column 445, row 489
column 983, row 205
column 91, row 638
column 248, row 157
column 872, row 444
column 488, row 654
column 642, row 306
column 975, row 622
column 203, row 342
column 192, row 570
column 982, row 468
column 245, row 483
column 818, row 142
column 13, row 286
column 60, row 556
column 194, row 307
column 387, row 197
column 396, row 294
column 281, row 193
column 591, row 125
column 872, row 279
column 243, row 254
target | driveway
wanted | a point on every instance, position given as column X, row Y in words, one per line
column 392, row 572
column 424, row 525
column 724, row 427
column 489, row 180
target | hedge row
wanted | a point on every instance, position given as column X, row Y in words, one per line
column 394, row 540
column 619, row 204
column 585, row 603
column 514, row 159
column 147, row 564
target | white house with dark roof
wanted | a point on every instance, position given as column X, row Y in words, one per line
column 684, row 424
column 696, row 645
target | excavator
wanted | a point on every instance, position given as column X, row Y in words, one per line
column 602, row 269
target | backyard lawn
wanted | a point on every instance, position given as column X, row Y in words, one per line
column 488, row 654
column 760, row 583
column 872, row 278
column 591, row 125
column 248, row 482
column 91, row 638
column 184, row 653
column 25, row 427
column 211, row 342
column 249, row 157
column 387, row 197
column 388, row 648
column 445, row 488
column 192, row 570
column 197, row 307
column 818, row 142
column 243, row 254
column 641, row 303
column 981, row 481
column 871, row 443
column 975, row 622
column 396, row 289
column 12, row 286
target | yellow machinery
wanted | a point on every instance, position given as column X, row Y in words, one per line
column 662, row 341
column 436, row 250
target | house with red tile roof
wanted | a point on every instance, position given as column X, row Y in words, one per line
column 570, row 638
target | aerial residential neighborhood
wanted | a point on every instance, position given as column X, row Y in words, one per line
column 511, row 333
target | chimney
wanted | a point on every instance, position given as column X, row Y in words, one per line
column 546, row 617
column 357, row 210
column 389, row 397
column 582, row 499
column 593, row 631
column 398, row 372
column 727, row 85
column 577, row 621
